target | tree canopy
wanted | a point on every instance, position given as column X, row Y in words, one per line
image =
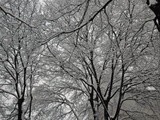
column 79, row 60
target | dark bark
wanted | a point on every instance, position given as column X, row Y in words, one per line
column 156, row 10
column 91, row 100
column 121, row 94
column 20, row 109
column 106, row 117
column 30, row 106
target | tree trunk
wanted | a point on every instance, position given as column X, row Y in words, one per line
column 106, row 115
column 20, row 111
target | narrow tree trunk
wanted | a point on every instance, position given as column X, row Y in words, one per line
column 106, row 115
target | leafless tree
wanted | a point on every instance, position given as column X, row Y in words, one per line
column 18, row 58
column 107, row 55
column 79, row 59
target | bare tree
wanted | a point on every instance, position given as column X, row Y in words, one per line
column 85, row 59
column 18, row 58
column 107, row 57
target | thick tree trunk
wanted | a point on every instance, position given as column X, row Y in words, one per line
column 20, row 110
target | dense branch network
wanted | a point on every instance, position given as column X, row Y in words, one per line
column 80, row 24
column 7, row 13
